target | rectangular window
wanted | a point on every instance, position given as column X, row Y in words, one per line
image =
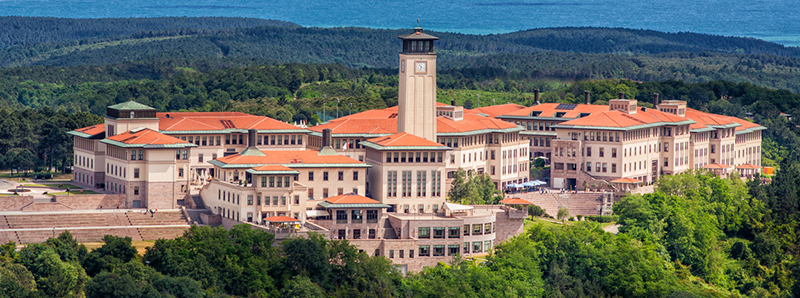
column 135, row 190
column 310, row 176
column 602, row 153
column 200, row 157
column 477, row 247
column 272, row 181
column 136, row 173
column 453, row 249
column 438, row 233
column 424, row 250
column 424, row 233
column 454, row 232
column 133, row 154
column 357, row 216
column 406, row 183
column 218, row 140
column 341, row 176
column 391, row 183
column 310, row 193
column 180, row 172
column 466, row 230
column 372, row 216
column 355, row 175
column 438, row 250
column 477, row 229
column 613, row 152
column 286, row 181
column 325, row 192
column 341, row 216
column 613, row 168
column 249, row 200
column 589, row 151
column 487, row 228
column 421, row 183
column 325, row 176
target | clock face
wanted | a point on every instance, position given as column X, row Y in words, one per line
column 421, row 66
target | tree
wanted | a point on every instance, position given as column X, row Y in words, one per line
column 563, row 213
column 301, row 286
column 23, row 160
column 54, row 277
column 114, row 252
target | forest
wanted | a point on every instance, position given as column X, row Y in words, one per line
column 696, row 236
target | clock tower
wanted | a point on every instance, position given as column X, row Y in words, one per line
column 417, row 86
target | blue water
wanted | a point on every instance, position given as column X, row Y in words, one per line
column 773, row 20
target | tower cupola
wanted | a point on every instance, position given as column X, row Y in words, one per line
column 418, row 42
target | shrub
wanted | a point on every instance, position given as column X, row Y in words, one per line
column 534, row 210
column 602, row 218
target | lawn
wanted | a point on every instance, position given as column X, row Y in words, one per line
column 141, row 246
column 53, row 185
column 73, row 192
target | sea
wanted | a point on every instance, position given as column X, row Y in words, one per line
column 772, row 20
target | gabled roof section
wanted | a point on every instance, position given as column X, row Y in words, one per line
column 290, row 158
column 97, row 131
column 272, row 170
column 472, row 124
column 130, row 105
column 355, row 126
column 146, row 138
column 550, row 110
column 626, row 181
column 707, row 121
column 351, row 200
column 617, row 120
column 497, row 110
column 221, row 122
column 418, row 35
column 403, row 141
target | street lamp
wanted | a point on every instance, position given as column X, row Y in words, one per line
column 351, row 108
column 324, row 97
column 337, row 108
column 479, row 100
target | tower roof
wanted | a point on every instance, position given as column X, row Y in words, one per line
column 418, row 35
column 130, row 105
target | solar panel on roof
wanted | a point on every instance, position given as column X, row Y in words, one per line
column 566, row 106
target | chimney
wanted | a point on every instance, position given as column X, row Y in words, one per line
column 251, row 149
column 326, row 137
column 586, row 97
column 453, row 103
column 655, row 100
column 251, row 137
column 622, row 95
column 327, row 143
column 536, row 96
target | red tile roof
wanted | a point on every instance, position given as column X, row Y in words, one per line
column 515, row 201
column 626, row 180
column 403, row 140
column 471, row 122
column 272, row 168
column 385, row 122
column 146, row 136
column 498, row 110
column 705, row 119
column 92, row 130
column 549, row 110
column 195, row 121
column 281, row 218
column 617, row 118
column 715, row 166
column 359, row 126
column 288, row 157
column 351, row 198
column 748, row 166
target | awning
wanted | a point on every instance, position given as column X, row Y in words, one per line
column 457, row 207
column 281, row 219
column 316, row 213
column 516, row 201
column 627, row 181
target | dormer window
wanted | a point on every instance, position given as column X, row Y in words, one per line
column 536, row 113
column 560, row 114
column 584, row 115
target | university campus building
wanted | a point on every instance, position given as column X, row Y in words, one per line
column 380, row 178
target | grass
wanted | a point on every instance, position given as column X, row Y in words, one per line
column 53, row 185
column 73, row 192
column 141, row 246
column 7, row 194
